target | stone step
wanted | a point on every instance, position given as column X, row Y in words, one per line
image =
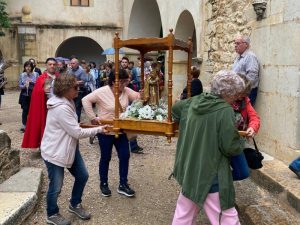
column 258, row 206
column 270, row 196
column 276, row 177
column 19, row 195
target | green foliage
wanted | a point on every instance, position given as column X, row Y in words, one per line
column 4, row 20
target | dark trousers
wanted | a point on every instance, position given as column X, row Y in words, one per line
column 106, row 143
column 133, row 144
column 239, row 165
column 78, row 104
column 253, row 95
column 25, row 108
column 56, row 177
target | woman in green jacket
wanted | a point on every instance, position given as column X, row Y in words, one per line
column 207, row 140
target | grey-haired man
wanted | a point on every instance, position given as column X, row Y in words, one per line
column 247, row 63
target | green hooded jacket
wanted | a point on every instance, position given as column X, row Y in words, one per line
column 207, row 139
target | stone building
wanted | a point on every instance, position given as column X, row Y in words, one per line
column 86, row 27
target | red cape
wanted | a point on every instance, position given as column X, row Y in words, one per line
column 36, row 120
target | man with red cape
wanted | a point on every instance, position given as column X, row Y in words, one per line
column 36, row 120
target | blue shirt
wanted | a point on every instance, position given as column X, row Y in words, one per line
column 79, row 73
column 248, row 65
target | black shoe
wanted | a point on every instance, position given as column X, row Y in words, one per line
column 137, row 150
column 91, row 140
column 295, row 171
column 105, row 191
column 140, row 148
column 124, row 189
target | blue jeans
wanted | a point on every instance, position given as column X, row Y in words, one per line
column 296, row 164
column 106, row 143
column 56, row 177
column 240, row 169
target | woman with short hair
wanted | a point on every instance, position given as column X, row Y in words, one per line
column 59, row 149
column 207, row 140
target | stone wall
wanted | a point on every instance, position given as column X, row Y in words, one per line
column 275, row 41
column 9, row 158
column 224, row 20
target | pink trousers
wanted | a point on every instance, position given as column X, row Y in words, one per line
column 186, row 212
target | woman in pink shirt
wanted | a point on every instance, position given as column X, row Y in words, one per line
column 105, row 101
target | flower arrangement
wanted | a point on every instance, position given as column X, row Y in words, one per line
column 137, row 110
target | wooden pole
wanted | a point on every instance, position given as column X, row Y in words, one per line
column 170, row 73
column 189, row 64
column 116, row 83
column 142, row 54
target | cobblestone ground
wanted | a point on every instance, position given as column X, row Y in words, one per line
column 148, row 174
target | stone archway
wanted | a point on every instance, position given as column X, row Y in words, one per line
column 145, row 19
column 185, row 28
column 82, row 47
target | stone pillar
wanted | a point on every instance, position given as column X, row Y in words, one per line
column 27, row 36
column 9, row 158
column 179, row 78
column 27, row 42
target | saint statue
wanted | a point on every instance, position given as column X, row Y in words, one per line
column 151, row 89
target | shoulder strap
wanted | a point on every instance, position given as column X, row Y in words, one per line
column 255, row 144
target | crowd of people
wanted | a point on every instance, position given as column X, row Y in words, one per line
column 206, row 162
column 53, row 100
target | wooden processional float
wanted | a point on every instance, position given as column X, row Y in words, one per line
column 166, row 127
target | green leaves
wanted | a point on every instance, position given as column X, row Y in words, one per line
column 4, row 19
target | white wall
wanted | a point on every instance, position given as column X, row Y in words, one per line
column 276, row 42
column 169, row 13
column 101, row 12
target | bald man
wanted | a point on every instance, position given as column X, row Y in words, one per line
column 82, row 78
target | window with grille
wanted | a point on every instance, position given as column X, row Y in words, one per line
column 79, row 3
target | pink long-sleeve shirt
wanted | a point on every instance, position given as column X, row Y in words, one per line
column 105, row 101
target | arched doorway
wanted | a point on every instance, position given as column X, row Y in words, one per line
column 185, row 28
column 145, row 20
column 83, row 48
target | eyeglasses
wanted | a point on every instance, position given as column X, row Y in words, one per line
column 239, row 43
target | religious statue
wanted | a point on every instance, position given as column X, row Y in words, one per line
column 151, row 89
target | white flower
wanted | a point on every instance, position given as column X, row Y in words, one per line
column 159, row 118
column 146, row 113
column 138, row 111
column 124, row 115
